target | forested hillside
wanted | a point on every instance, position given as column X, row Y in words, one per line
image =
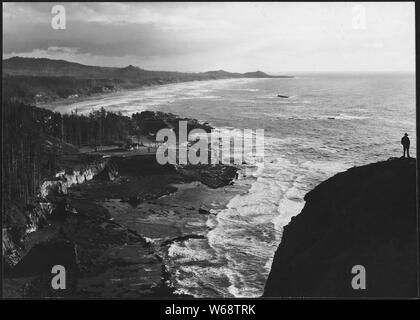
column 35, row 139
column 37, row 80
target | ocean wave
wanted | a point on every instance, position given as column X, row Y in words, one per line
column 247, row 89
column 290, row 116
column 343, row 116
column 235, row 258
column 250, row 227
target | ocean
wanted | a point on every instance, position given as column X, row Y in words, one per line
column 329, row 123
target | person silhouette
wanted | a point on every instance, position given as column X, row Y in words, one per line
column 405, row 141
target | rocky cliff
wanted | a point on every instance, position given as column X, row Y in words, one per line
column 20, row 219
column 365, row 216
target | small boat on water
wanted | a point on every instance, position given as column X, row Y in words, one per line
column 281, row 96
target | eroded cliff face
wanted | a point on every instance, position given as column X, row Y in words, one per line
column 63, row 229
column 64, row 180
column 23, row 219
column 365, row 216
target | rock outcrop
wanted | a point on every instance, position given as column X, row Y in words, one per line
column 23, row 219
column 365, row 216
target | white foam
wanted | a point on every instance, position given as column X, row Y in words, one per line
column 186, row 251
column 236, row 257
column 137, row 100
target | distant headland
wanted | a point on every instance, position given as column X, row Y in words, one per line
column 46, row 80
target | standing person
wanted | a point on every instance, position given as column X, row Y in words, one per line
column 405, row 141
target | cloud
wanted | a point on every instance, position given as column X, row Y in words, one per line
column 201, row 36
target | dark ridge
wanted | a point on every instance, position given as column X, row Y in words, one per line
column 48, row 67
column 364, row 216
column 41, row 80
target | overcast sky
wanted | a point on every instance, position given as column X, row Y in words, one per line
column 273, row 37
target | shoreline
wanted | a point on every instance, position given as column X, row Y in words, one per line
column 52, row 105
column 104, row 238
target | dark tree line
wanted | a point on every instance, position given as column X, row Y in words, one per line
column 34, row 139
column 29, row 132
column 23, row 127
column 98, row 128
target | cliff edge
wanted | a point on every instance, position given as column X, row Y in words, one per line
column 364, row 216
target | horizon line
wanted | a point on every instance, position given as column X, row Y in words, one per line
column 274, row 73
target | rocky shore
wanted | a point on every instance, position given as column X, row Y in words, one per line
column 98, row 221
column 365, row 216
column 110, row 218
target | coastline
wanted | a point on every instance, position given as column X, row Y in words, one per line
column 52, row 105
column 177, row 246
column 118, row 225
column 187, row 155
